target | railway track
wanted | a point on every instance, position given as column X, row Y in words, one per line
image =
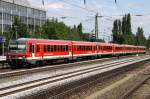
column 135, row 88
column 144, row 77
column 4, row 67
column 25, row 88
column 9, row 73
column 143, row 92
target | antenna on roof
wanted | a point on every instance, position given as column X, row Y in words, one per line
column 116, row 1
column 84, row 2
column 43, row 2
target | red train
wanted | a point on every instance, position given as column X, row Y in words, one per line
column 38, row 51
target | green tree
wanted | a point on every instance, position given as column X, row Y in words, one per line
column 53, row 29
column 128, row 36
column 79, row 30
column 19, row 27
column 148, row 43
column 117, row 32
column 140, row 39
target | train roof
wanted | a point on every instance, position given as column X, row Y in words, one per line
column 27, row 39
column 75, row 42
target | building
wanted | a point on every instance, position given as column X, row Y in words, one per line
column 22, row 9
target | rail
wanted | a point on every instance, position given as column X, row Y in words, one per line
column 70, row 76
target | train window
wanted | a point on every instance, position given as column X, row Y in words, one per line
column 55, row 48
column 64, row 49
column 74, row 47
column 52, row 48
column 81, row 48
column 95, row 47
column 100, row 48
column 44, row 48
column 30, row 48
column 67, row 48
column 38, row 48
column 61, row 48
column 58, row 48
column 48, row 48
column 77, row 48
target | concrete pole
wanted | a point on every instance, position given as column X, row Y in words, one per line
column 27, row 22
column 11, row 19
column 40, row 25
column 2, row 31
column 96, row 26
column 34, row 25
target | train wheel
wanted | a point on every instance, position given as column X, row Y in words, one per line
column 40, row 63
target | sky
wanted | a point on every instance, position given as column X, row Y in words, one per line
column 76, row 11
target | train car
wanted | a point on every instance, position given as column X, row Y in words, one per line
column 128, row 49
column 26, row 51
column 141, row 50
column 84, row 49
column 119, row 49
column 105, row 49
column 33, row 51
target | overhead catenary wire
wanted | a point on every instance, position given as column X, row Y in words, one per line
column 84, row 8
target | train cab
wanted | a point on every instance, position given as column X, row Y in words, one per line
column 17, row 52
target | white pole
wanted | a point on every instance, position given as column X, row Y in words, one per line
column 2, row 31
column 11, row 19
column 27, row 16
column 34, row 24
column 40, row 20
column 40, row 25
column 19, row 15
column 27, row 21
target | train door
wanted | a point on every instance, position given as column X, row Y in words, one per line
column 70, row 49
column 33, row 50
column 37, row 52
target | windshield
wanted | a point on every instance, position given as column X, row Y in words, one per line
column 17, row 47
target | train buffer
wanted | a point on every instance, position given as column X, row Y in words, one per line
column 2, row 62
column 2, row 58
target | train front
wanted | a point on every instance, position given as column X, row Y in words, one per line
column 17, row 53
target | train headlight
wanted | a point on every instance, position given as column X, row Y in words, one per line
column 19, row 57
column 23, row 57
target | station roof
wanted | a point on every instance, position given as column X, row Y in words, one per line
column 25, row 3
column 19, row 2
